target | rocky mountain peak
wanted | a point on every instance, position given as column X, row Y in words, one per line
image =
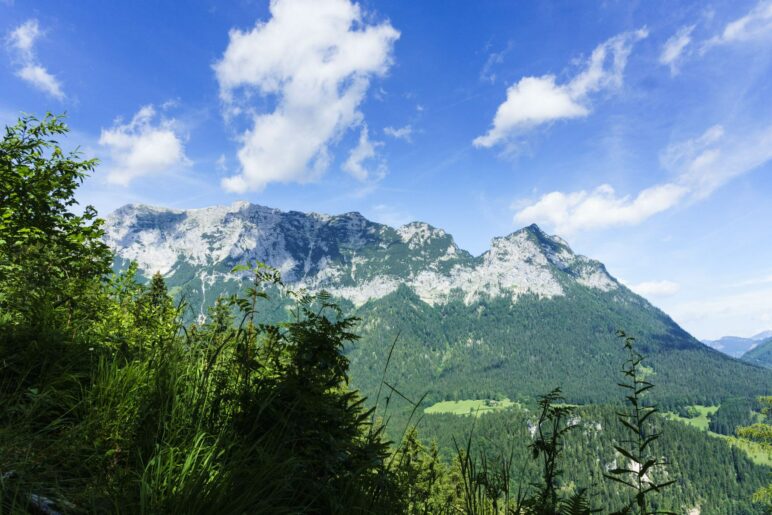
column 348, row 255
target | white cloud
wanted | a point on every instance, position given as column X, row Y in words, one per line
column 749, row 312
column 364, row 151
column 23, row 38
column 754, row 25
column 315, row 59
column 700, row 166
column 22, row 41
column 404, row 133
column 706, row 163
column 599, row 209
column 767, row 279
column 530, row 102
column 673, row 49
column 41, row 79
column 681, row 153
column 656, row 288
column 221, row 163
column 141, row 147
column 494, row 58
column 533, row 101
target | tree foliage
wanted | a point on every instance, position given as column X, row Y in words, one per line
column 761, row 432
column 111, row 401
column 50, row 257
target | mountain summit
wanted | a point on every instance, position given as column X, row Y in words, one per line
column 348, row 255
column 523, row 317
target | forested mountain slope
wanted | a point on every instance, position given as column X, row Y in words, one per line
column 714, row 478
column 519, row 319
column 761, row 354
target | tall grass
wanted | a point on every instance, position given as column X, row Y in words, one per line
column 232, row 416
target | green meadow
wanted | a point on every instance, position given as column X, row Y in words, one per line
column 470, row 407
column 754, row 450
column 701, row 421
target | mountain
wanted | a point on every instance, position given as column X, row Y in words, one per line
column 523, row 317
column 347, row 255
column 764, row 335
column 736, row 346
column 760, row 354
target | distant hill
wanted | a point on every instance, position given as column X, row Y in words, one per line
column 761, row 354
column 762, row 335
column 523, row 317
column 736, row 346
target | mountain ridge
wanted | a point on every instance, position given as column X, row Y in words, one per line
column 761, row 353
column 524, row 316
column 440, row 268
column 737, row 346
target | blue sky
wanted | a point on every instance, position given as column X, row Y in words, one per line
column 641, row 132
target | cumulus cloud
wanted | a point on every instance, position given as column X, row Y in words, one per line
column 534, row 101
column 673, row 49
column 404, row 133
column 315, row 60
column 600, row 208
column 656, row 288
column 363, row 152
column 142, row 147
column 530, row 102
column 757, row 23
column 22, row 41
column 699, row 166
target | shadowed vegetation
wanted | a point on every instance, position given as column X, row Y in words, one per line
column 111, row 403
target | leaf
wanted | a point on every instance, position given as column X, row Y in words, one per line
column 646, row 466
column 649, row 413
column 645, row 388
column 630, row 426
column 619, row 471
column 618, row 480
column 626, row 453
column 647, row 441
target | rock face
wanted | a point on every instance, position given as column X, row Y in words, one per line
column 521, row 318
column 347, row 255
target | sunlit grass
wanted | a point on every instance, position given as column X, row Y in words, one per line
column 470, row 407
column 755, row 451
column 700, row 422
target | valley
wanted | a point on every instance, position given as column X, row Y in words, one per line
column 466, row 335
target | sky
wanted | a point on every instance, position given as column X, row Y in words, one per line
column 640, row 132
